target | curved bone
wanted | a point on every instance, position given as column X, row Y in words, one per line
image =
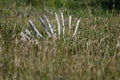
column 76, row 28
column 44, row 26
column 34, row 29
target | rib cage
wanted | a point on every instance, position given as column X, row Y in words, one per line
column 49, row 28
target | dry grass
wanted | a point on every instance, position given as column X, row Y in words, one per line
column 93, row 55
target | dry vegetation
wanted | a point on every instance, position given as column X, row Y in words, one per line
column 94, row 54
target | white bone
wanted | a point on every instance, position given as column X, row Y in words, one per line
column 58, row 22
column 76, row 27
column 28, row 32
column 51, row 29
column 62, row 19
column 44, row 26
column 24, row 36
column 34, row 29
column 70, row 21
column 63, row 23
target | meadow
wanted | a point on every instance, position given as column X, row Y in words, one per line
column 93, row 54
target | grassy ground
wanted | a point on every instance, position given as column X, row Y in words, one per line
column 94, row 54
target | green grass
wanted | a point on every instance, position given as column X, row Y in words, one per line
column 93, row 55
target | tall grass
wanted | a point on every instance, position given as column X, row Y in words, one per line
column 93, row 54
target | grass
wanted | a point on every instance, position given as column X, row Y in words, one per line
column 93, row 55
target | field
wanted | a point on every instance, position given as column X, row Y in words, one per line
column 93, row 54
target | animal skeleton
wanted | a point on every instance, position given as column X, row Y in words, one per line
column 49, row 29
